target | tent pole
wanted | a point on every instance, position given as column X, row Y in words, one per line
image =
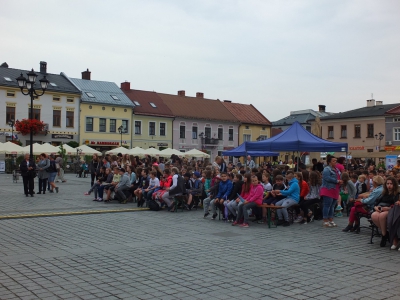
column 298, row 153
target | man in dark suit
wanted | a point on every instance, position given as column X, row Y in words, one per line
column 28, row 168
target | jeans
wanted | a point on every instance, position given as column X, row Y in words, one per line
column 206, row 204
column 101, row 191
column 121, row 192
column 282, row 212
column 92, row 178
column 42, row 184
column 244, row 211
column 233, row 207
column 213, row 207
column 305, row 204
column 61, row 176
column 329, row 207
column 52, row 176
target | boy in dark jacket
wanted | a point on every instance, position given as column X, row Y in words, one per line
column 211, row 195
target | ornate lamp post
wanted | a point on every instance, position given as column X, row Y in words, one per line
column 121, row 131
column 28, row 84
column 379, row 137
column 11, row 124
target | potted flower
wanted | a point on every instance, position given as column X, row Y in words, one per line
column 25, row 126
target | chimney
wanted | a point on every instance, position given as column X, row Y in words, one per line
column 321, row 108
column 370, row 102
column 86, row 74
column 43, row 67
column 379, row 103
column 4, row 65
column 126, row 86
column 199, row 95
column 181, row 93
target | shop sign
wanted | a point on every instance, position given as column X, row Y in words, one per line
column 102, row 143
column 392, row 148
column 356, row 148
column 162, row 144
column 62, row 136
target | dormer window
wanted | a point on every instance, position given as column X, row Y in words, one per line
column 136, row 103
column 90, row 95
column 153, row 105
column 114, row 97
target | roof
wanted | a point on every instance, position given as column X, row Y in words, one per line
column 289, row 120
column 58, row 83
column 275, row 131
column 102, row 92
column 198, row 108
column 246, row 113
column 367, row 111
column 394, row 111
column 144, row 99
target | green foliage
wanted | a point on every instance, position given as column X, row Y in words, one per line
column 62, row 152
column 73, row 144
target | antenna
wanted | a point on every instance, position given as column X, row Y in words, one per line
column 372, row 95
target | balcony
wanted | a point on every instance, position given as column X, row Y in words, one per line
column 210, row 141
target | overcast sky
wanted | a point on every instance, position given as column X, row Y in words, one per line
column 278, row 55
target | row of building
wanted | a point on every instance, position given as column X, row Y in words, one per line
column 104, row 115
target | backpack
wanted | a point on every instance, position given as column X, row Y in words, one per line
column 52, row 167
column 153, row 205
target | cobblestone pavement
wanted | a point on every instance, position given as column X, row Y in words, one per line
column 162, row 255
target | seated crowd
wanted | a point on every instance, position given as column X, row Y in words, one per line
column 237, row 192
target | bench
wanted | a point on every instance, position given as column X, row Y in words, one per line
column 269, row 210
column 374, row 229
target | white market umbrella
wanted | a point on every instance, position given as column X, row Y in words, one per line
column 46, row 148
column 11, row 148
column 121, row 150
column 168, row 152
column 152, row 152
column 196, row 153
column 137, row 151
column 35, row 147
column 86, row 150
column 68, row 149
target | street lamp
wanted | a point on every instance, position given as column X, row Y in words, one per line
column 29, row 85
column 379, row 137
column 121, row 131
column 11, row 124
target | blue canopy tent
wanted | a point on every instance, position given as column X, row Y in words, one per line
column 241, row 151
column 296, row 138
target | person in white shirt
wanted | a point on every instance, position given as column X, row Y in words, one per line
column 154, row 185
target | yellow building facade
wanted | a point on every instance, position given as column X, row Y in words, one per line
column 152, row 132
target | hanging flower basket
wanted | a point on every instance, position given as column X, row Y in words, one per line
column 25, row 126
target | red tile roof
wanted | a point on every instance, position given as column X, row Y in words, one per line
column 198, row 108
column 394, row 111
column 144, row 98
column 275, row 131
column 246, row 113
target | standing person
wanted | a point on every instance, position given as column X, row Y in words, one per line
column 43, row 175
column 60, row 169
column 52, row 170
column 94, row 168
column 317, row 166
column 28, row 170
column 330, row 190
column 250, row 163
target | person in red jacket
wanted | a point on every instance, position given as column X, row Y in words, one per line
column 304, row 190
column 255, row 198
column 165, row 183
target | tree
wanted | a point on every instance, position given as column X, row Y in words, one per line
column 73, row 144
column 62, row 152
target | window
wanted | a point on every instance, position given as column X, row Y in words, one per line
column 53, row 84
column 136, row 103
column 89, row 124
column 70, row 100
column 357, row 131
column 370, row 130
column 153, row 105
column 194, row 132
column 152, row 128
column 56, row 98
column 396, row 134
column 125, row 124
column 90, row 95
column 220, row 133
column 10, row 94
column 207, row 132
column 102, row 125
column 246, row 137
column 138, row 127
column 7, row 78
column 56, row 118
column 330, row 132
column 70, row 119
column 230, row 134
column 247, row 127
column 308, row 128
column 114, row 97
column 263, row 128
column 162, row 129
column 182, row 129
column 396, row 119
column 10, row 114
column 113, row 125
column 36, row 113
column 343, row 131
